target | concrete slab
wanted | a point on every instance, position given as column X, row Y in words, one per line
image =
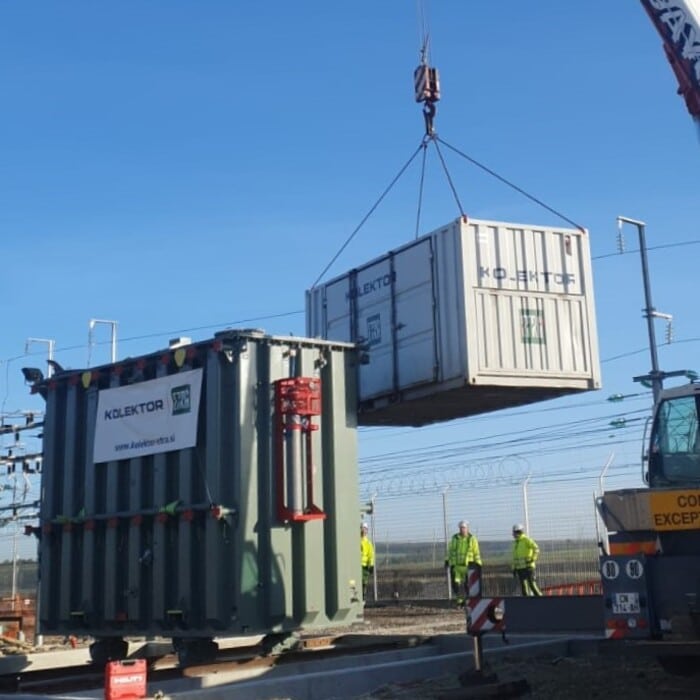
column 343, row 678
column 365, row 674
column 141, row 649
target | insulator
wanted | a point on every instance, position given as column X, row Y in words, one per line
column 620, row 242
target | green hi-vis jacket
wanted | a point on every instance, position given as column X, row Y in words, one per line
column 525, row 552
column 463, row 550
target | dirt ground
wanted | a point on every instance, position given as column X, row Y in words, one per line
column 550, row 677
column 566, row 678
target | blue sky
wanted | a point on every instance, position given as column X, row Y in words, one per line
column 181, row 167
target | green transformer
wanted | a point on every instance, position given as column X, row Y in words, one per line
column 206, row 490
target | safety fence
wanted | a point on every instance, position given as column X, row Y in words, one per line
column 581, row 588
column 556, row 577
column 411, row 530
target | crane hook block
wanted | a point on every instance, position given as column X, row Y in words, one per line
column 427, row 83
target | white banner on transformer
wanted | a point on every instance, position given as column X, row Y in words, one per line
column 159, row 415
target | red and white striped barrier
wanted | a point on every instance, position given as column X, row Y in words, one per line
column 615, row 633
column 485, row 615
column 473, row 582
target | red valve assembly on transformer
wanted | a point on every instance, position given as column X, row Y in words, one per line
column 297, row 401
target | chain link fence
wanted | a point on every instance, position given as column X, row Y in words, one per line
column 411, row 529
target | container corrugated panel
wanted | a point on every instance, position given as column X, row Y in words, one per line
column 189, row 542
column 476, row 316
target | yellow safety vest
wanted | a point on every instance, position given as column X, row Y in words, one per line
column 525, row 552
column 366, row 551
column 463, row 550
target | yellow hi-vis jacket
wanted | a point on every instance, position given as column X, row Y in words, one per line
column 463, row 550
column 366, row 551
column 525, row 552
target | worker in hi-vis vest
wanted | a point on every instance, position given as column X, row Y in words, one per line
column 525, row 553
column 462, row 554
column 367, row 558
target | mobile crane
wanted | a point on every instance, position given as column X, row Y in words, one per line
column 678, row 23
column 650, row 564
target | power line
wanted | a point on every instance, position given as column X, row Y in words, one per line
column 655, row 247
column 496, row 438
column 375, row 433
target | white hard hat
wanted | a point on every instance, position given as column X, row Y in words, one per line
column 463, row 523
column 364, row 526
column 518, row 527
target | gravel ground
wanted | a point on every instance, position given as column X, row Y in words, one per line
column 567, row 678
column 550, row 677
column 407, row 619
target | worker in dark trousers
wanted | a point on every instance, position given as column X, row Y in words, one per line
column 525, row 553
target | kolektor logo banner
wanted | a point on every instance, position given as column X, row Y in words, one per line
column 155, row 416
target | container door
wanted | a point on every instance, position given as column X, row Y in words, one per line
column 415, row 339
column 388, row 306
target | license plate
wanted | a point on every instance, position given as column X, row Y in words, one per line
column 624, row 603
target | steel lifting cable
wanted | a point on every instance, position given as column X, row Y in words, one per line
column 424, row 145
column 435, row 140
column 368, row 214
column 427, row 91
column 423, row 28
column 431, row 96
column 510, row 184
column 427, row 85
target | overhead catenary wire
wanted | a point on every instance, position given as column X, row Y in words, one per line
column 496, row 441
column 491, row 452
column 373, row 432
column 570, row 429
column 617, row 254
column 429, row 461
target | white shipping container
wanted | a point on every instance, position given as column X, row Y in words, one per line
column 473, row 317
